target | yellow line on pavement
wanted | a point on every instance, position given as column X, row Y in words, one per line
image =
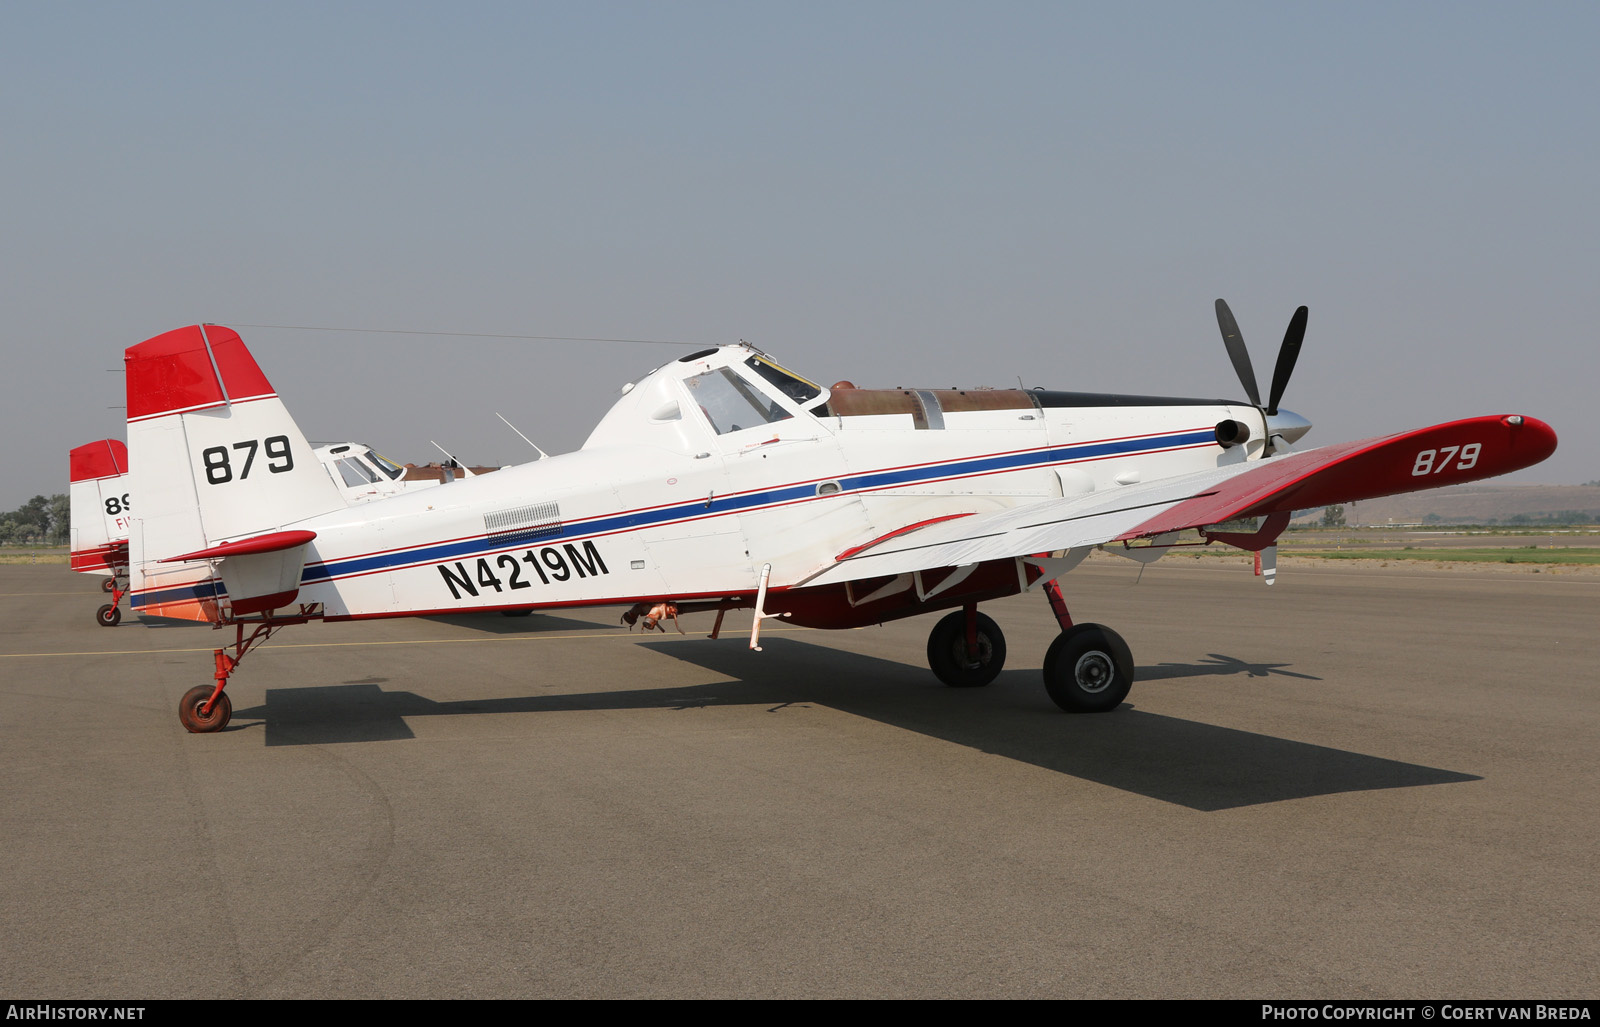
column 419, row 641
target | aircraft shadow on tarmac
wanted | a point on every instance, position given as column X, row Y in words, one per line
column 499, row 624
column 1200, row 766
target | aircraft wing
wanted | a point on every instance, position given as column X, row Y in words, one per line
column 1445, row 454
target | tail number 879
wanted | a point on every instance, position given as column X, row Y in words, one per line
column 220, row 467
column 1436, row 461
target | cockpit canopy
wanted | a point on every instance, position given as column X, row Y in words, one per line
column 361, row 472
column 708, row 395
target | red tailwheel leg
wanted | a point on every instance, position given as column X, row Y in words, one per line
column 110, row 615
column 205, row 708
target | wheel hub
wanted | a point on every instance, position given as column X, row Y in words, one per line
column 1094, row 672
column 984, row 653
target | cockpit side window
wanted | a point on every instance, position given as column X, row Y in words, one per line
column 730, row 404
column 787, row 382
column 355, row 473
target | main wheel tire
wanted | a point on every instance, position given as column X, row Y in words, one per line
column 1088, row 669
column 947, row 651
column 107, row 584
column 108, row 616
column 194, row 700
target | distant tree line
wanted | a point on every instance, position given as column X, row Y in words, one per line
column 1554, row 517
column 39, row 522
column 1334, row 517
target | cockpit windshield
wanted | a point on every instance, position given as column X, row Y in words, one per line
column 787, row 382
column 387, row 466
column 730, row 404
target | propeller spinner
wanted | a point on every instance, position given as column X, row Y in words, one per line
column 1285, row 425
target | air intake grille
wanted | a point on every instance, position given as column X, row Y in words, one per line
column 541, row 520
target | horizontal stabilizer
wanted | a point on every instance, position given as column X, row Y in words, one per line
column 272, row 542
column 260, row 573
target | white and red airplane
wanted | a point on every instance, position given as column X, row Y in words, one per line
column 98, row 498
column 722, row 481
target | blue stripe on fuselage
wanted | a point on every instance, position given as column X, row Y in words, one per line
column 866, row 482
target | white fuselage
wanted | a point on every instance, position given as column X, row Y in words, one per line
column 666, row 507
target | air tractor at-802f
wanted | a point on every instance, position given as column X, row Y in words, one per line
column 723, row 481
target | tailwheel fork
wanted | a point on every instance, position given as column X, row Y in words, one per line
column 206, row 708
column 110, row 615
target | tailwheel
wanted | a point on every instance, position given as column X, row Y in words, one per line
column 1088, row 669
column 950, row 658
column 108, row 616
column 192, row 711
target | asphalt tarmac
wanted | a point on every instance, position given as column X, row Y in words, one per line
column 1356, row 784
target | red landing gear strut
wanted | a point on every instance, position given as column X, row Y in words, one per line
column 204, row 708
column 1058, row 605
column 1088, row 668
column 966, row 649
column 110, row 615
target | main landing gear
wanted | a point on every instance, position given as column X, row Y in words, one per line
column 1088, row 668
column 966, row 649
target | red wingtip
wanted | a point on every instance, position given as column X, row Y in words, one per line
column 104, row 459
column 1538, row 439
column 178, row 371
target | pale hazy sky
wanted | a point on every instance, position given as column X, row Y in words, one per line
column 917, row 193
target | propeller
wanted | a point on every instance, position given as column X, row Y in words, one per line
column 1288, row 353
column 1237, row 352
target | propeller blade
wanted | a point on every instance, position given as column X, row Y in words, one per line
column 1237, row 353
column 1287, row 355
